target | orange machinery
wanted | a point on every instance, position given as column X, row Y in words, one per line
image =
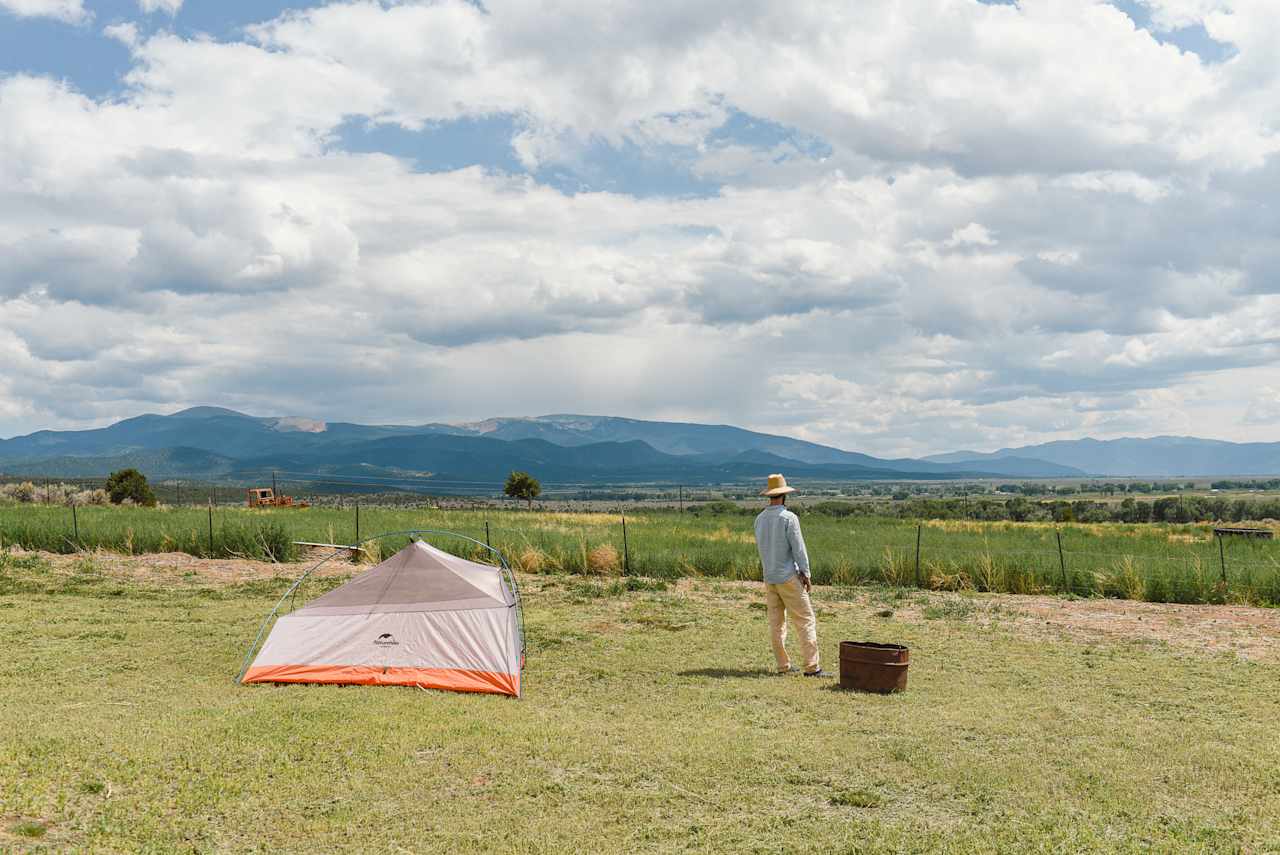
column 265, row 497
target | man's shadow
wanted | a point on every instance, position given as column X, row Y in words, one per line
column 727, row 672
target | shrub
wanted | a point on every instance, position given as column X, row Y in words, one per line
column 719, row 506
column 130, row 484
column 834, row 509
column 24, row 492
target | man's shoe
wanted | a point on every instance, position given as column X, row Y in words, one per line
column 818, row 673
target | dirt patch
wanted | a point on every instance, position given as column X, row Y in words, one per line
column 1246, row 632
column 1249, row 633
column 181, row 569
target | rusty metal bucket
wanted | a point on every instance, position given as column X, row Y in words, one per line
column 869, row 667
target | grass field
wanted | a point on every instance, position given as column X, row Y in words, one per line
column 649, row 724
column 1155, row 562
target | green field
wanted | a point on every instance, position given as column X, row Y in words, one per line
column 649, row 724
column 1157, row 562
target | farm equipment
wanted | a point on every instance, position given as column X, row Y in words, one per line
column 265, row 497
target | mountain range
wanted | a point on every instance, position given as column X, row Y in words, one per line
column 1159, row 456
column 211, row 443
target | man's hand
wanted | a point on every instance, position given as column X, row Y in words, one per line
column 806, row 583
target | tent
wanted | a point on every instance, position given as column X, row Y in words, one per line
column 422, row 617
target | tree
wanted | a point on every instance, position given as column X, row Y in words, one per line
column 130, row 484
column 522, row 485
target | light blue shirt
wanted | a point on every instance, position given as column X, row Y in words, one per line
column 782, row 552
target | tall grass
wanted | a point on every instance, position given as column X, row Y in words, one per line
column 1158, row 562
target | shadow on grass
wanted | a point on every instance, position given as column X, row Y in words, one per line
column 859, row 693
column 729, row 672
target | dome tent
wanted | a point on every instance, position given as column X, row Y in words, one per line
column 422, row 617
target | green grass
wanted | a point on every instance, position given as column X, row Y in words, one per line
column 649, row 724
column 1156, row 562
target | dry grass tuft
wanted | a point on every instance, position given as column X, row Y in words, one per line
column 604, row 561
column 530, row 560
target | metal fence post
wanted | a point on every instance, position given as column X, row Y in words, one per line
column 1062, row 560
column 919, row 528
column 211, row 526
column 75, row 523
column 357, row 541
column 486, row 535
column 1222, row 556
column 626, row 552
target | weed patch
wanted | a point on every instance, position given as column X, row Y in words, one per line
column 949, row 610
column 857, row 799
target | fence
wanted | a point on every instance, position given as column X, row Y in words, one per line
column 1161, row 563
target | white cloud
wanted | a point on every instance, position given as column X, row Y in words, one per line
column 71, row 11
column 974, row 234
column 1009, row 236
column 169, row 6
column 1176, row 14
column 126, row 33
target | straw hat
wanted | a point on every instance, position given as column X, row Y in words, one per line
column 777, row 487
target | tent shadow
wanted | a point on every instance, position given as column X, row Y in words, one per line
column 722, row 673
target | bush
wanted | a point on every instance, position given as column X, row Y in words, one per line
column 91, row 497
column 130, row 484
column 834, row 509
column 24, row 492
column 719, row 506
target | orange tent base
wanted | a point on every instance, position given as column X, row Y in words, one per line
column 451, row 679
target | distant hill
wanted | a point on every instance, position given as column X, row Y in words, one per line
column 1160, row 456
column 158, row 463
column 216, row 443
column 723, row 441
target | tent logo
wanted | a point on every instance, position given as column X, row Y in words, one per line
column 385, row 640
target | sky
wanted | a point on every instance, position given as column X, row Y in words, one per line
column 896, row 227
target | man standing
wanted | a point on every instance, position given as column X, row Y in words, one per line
column 786, row 578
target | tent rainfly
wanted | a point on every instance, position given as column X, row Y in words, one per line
column 421, row 618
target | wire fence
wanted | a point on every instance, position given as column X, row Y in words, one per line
column 1177, row 564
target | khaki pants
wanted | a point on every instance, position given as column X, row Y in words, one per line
column 790, row 597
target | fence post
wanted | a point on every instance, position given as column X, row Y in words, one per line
column 211, row 526
column 486, row 535
column 1062, row 560
column 75, row 524
column 626, row 552
column 919, row 527
column 357, row 543
column 1222, row 556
